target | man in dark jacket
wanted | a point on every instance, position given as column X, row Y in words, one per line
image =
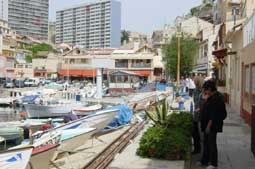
column 212, row 118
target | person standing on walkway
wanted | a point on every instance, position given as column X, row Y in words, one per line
column 182, row 85
column 212, row 117
column 190, row 85
column 198, row 102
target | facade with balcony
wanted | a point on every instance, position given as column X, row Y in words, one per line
column 24, row 70
column 6, row 67
column 78, row 63
column 46, row 68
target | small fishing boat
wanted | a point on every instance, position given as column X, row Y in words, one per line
column 74, row 138
column 11, row 132
column 15, row 158
column 98, row 120
column 51, row 109
column 45, row 146
column 41, row 156
column 86, row 110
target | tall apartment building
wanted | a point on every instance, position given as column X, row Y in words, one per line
column 27, row 17
column 92, row 25
column 4, row 10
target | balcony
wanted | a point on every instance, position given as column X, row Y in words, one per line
column 121, row 63
column 141, row 65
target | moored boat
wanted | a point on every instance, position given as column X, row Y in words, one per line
column 51, row 110
column 73, row 138
column 11, row 132
column 86, row 110
column 41, row 156
column 15, row 158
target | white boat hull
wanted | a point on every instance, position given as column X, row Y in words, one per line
column 75, row 142
column 15, row 158
column 86, row 110
column 43, row 111
column 99, row 122
column 42, row 159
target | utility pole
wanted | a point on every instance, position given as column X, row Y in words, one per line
column 178, row 35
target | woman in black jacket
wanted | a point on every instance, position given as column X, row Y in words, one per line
column 212, row 117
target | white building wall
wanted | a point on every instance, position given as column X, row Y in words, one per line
column 193, row 25
column 92, row 25
column 4, row 10
column 249, row 31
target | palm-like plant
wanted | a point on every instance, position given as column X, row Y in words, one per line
column 160, row 116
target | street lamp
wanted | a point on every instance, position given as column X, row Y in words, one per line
column 178, row 35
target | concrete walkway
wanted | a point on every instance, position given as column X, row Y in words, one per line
column 129, row 160
column 233, row 145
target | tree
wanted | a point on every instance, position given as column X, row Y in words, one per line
column 39, row 48
column 189, row 48
column 28, row 59
column 124, row 36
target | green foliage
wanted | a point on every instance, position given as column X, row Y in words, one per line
column 194, row 11
column 39, row 48
column 28, row 59
column 172, row 142
column 181, row 120
column 189, row 48
column 159, row 117
column 124, row 36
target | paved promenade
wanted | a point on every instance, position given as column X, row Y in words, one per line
column 233, row 145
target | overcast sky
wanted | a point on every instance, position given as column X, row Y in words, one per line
column 139, row 15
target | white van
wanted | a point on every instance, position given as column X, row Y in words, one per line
column 33, row 82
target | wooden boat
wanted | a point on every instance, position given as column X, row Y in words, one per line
column 11, row 132
column 93, row 120
column 41, row 156
column 74, row 138
column 86, row 110
column 45, row 146
column 57, row 109
column 15, row 158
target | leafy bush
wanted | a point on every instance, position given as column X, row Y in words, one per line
column 160, row 116
column 181, row 120
column 171, row 141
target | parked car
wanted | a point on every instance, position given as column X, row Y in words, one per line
column 19, row 83
column 9, row 84
column 33, row 82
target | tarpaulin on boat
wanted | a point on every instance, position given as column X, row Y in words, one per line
column 161, row 87
column 123, row 117
column 29, row 99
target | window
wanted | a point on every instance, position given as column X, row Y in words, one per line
column 247, row 79
column 205, row 50
column 85, row 61
column 253, row 79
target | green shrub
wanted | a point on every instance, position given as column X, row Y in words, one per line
column 171, row 141
column 164, row 143
column 181, row 120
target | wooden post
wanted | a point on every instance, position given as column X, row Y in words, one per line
column 178, row 60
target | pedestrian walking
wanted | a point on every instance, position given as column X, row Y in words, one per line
column 198, row 103
column 182, row 85
column 190, row 85
column 212, row 117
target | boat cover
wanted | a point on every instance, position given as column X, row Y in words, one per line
column 123, row 117
column 29, row 99
column 161, row 87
